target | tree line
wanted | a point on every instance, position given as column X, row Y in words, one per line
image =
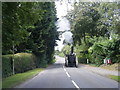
column 29, row 27
column 95, row 27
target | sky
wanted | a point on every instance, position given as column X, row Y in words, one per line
column 63, row 23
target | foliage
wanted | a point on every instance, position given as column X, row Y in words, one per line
column 93, row 19
column 61, row 54
column 80, row 52
column 17, row 17
column 104, row 48
column 66, row 49
column 95, row 28
column 13, row 80
column 6, row 65
column 29, row 27
column 22, row 62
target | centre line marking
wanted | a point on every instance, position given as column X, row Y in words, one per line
column 64, row 68
column 71, row 79
column 75, row 85
column 67, row 74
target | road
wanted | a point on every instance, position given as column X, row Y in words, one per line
column 59, row 76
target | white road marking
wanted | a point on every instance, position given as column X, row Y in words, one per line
column 75, row 85
column 64, row 68
column 71, row 79
column 67, row 74
column 66, row 71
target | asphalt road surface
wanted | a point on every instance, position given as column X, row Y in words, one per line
column 59, row 76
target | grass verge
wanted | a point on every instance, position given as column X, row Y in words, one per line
column 94, row 65
column 19, row 78
column 114, row 67
column 116, row 78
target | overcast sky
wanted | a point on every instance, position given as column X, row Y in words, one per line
column 63, row 23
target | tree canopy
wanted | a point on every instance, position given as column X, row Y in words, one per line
column 29, row 27
column 94, row 19
column 95, row 28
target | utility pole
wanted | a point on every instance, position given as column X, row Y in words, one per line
column 13, row 59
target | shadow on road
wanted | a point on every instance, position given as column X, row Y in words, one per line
column 60, row 65
column 55, row 66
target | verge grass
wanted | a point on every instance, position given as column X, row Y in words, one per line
column 114, row 67
column 94, row 65
column 13, row 80
column 116, row 78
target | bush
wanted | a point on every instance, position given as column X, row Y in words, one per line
column 106, row 48
column 41, row 60
column 22, row 62
column 82, row 60
column 61, row 54
column 80, row 51
column 6, row 65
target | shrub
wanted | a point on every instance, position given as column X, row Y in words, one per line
column 6, row 65
column 41, row 60
column 22, row 62
column 80, row 51
column 82, row 60
column 106, row 48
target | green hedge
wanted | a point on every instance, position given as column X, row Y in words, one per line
column 6, row 65
column 82, row 60
column 22, row 61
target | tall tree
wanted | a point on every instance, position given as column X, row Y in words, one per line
column 30, row 27
column 93, row 19
column 17, row 17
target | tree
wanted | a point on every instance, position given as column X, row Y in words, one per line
column 17, row 18
column 92, row 24
column 93, row 19
column 30, row 27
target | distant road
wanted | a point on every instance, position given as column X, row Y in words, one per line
column 59, row 76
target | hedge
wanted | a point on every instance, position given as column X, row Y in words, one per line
column 22, row 61
column 6, row 65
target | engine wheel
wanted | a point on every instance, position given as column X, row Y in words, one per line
column 76, row 64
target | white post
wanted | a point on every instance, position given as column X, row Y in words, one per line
column 13, row 67
column 105, row 61
column 87, row 61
